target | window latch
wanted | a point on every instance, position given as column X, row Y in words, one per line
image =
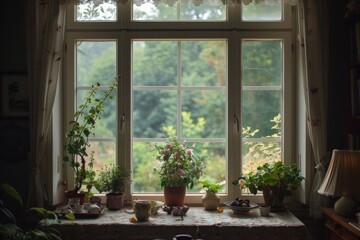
column 122, row 123
column 236, row 123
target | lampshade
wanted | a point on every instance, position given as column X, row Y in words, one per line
column 342, row 178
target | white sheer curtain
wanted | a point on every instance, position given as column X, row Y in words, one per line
column 313, row 70
column 45, row 34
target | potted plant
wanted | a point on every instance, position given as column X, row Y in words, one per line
column 276, row 181
column 178, row 168
column 77, row 137
column 113, row 180
column 210, row 200
column 39, row 223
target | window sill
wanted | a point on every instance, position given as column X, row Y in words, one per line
column 210, row 225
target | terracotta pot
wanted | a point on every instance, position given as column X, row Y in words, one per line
column 274, row 197
column 174, row 196
column 210, row 201
column 72, row 194
column 114, row 201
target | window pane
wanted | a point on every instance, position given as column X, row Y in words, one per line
column 92, row 12
column 262, row 63
column 154, row 63
column 257, row 153
column 215, row 171
column 153, row 112
column 262, row 76
column 106, row 125
column 259, row 109
column 143, row 163
column 262, row 11
column 208, row 10
column 145, row 181
column 104, row 155
column 203, row 114
column 95, row 62
column 203, row 63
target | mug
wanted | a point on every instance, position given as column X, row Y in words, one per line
column 264, row 211
column 142, row 210
column 79, row 208
column 72, row 202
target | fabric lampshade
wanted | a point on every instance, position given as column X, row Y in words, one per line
column 343, row 175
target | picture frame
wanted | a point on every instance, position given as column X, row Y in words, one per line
column 14, row 95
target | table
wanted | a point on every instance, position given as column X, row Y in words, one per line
column 338, row 227
column 115, row 225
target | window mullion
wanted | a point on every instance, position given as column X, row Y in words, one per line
column 179, row 110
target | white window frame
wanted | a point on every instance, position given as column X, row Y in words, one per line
column 234, row 31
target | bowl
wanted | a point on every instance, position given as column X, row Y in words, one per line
column 238, row 209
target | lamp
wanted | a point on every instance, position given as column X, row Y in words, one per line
column 342, row 179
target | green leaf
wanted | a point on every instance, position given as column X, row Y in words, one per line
column 8, row 214
column 11, row 191
column 70, row 216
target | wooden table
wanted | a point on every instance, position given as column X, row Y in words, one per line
column 338, row 227
column 207, row 225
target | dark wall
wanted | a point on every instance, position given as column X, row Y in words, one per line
column 337, row 77
column 12, row 40
column 14, row 131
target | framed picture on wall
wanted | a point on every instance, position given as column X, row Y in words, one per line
column 14, row 95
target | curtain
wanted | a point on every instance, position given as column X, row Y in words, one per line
column 313, row 69
column 44, row 37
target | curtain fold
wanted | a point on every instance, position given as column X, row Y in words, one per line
column 45, row 36
column 313, row 67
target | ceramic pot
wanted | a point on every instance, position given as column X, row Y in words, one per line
column 210, row 201
column 174, row 196
column 274, row 197
column 114, row 201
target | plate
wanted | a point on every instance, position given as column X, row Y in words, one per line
column 238, row 209
column 85, row 215
column 61, row 212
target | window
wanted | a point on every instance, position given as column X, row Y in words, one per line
column 197, row 72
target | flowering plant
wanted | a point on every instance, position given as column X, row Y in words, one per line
column 178, row 164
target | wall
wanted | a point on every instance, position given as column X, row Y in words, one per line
column 14, row 131
column 337, row 77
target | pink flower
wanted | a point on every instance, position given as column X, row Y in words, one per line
column 181, row 172
column 178, row 155
column 181, row 147
column 167, row 152
column 169, row 146
column 189, row 152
